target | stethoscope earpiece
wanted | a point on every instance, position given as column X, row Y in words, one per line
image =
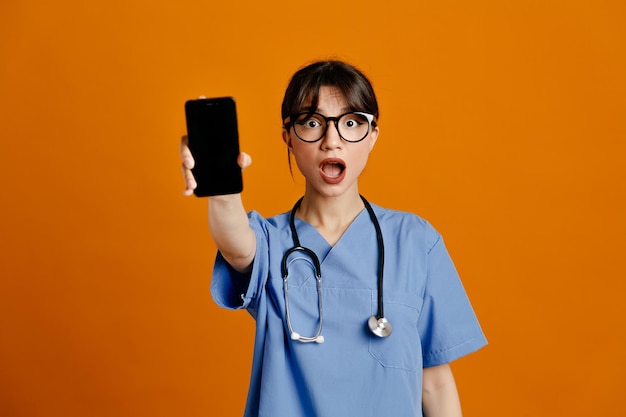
column 299, row 338
column 379, row 326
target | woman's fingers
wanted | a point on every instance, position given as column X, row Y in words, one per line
column 187, row 165
column 244, row 160
column 185, row 153
column 190, row 181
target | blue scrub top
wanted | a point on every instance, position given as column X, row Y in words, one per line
column 353, row 373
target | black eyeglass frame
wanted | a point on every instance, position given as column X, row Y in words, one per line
column 289, row 122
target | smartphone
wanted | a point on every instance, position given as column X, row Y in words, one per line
column 214, row 143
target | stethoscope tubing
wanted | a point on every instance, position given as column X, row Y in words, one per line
column 378, row 324
column 381, row 257
column 318, row 278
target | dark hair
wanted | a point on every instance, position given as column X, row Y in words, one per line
column 302, row 93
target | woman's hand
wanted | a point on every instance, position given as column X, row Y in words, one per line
column 244, row 160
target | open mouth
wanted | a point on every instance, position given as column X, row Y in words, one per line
column 332, row 170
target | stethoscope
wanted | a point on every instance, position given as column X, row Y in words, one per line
column 377, row 324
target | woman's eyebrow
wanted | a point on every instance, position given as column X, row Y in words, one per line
column 343, row 110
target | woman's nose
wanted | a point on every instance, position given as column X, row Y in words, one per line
column 331, row 139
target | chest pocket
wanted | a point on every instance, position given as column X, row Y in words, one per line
column 348, row 341
column 402, row 349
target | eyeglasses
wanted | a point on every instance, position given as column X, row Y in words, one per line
column 311, row 126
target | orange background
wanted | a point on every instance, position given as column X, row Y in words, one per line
column 501, row 122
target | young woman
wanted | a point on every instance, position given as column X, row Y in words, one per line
column 327, row 280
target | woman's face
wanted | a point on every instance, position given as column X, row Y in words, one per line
column 331, row 166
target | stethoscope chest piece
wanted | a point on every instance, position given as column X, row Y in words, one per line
column 379, row 326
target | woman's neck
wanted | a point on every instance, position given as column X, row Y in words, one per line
column 331, row 216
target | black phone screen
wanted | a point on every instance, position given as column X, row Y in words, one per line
column 214, row 143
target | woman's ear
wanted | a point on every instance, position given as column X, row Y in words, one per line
column 374, row 137
column 286, row 138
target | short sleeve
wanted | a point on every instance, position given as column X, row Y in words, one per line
column 448, row 326
column 233, row 290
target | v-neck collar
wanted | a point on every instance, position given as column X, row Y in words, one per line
column 310, row 237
